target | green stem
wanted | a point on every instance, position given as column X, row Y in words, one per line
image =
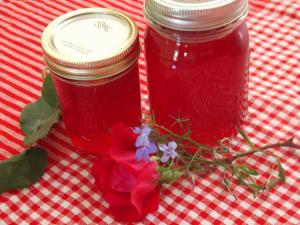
column 192, row 141
column 289, row 143
column 247, row 139
column 191, row 161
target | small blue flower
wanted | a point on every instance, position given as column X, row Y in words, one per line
column 143, row 138
column 145, row 129
column 136, row 130
column 144, row 146
column 169, row 151
column 145, row 152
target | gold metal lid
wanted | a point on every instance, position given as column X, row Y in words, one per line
column 90, row 43
column 194, row 15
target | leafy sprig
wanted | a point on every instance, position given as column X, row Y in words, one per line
column 205, row 159
column 37, row 119
column 22, row 170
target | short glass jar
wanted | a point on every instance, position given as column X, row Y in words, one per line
column 92, row 57
column 197, row 61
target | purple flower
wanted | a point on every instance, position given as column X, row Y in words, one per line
column 145, row 129
column 145, row 152
column 144, row 146
column 169, row 151
column 143, row 138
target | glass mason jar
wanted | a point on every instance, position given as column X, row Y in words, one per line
column 197, row 61
column 92, row 57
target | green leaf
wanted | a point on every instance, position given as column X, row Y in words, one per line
column 255, row 193
column 226, row 182
column 168, row 175
column 281, row 171
column 242, row 133
column 22, row 170
column 49, row 93
column 256, row 187
column 37, row 119
column 248, row 170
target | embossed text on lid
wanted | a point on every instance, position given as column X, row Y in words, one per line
column 89, row 42
column 91, row 37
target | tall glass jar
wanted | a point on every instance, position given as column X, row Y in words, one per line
column 92, row 57
column 197, row 55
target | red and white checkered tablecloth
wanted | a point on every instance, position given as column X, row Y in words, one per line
column 66, row 195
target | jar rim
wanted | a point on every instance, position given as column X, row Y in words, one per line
column 90, row 43
column 195, row 15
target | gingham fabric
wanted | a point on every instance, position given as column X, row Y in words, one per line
column 66, row 195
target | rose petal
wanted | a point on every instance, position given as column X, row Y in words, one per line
column 121, row 156
column 135, row 167
column 149, row 172
column 126, row 214
column 101, row 172
column 123, row 137
column 121, row 179
column 147, row 182
column 151, row 202
column 141, row 195
column 130, row 187
column 127, row 158
column 116, row 199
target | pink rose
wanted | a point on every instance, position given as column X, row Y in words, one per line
column 130, row 187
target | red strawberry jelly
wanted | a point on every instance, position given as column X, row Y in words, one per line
column 198, row 70
column 92, row 56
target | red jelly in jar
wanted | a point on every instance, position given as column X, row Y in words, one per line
column 92, row 57
column 197, row 55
